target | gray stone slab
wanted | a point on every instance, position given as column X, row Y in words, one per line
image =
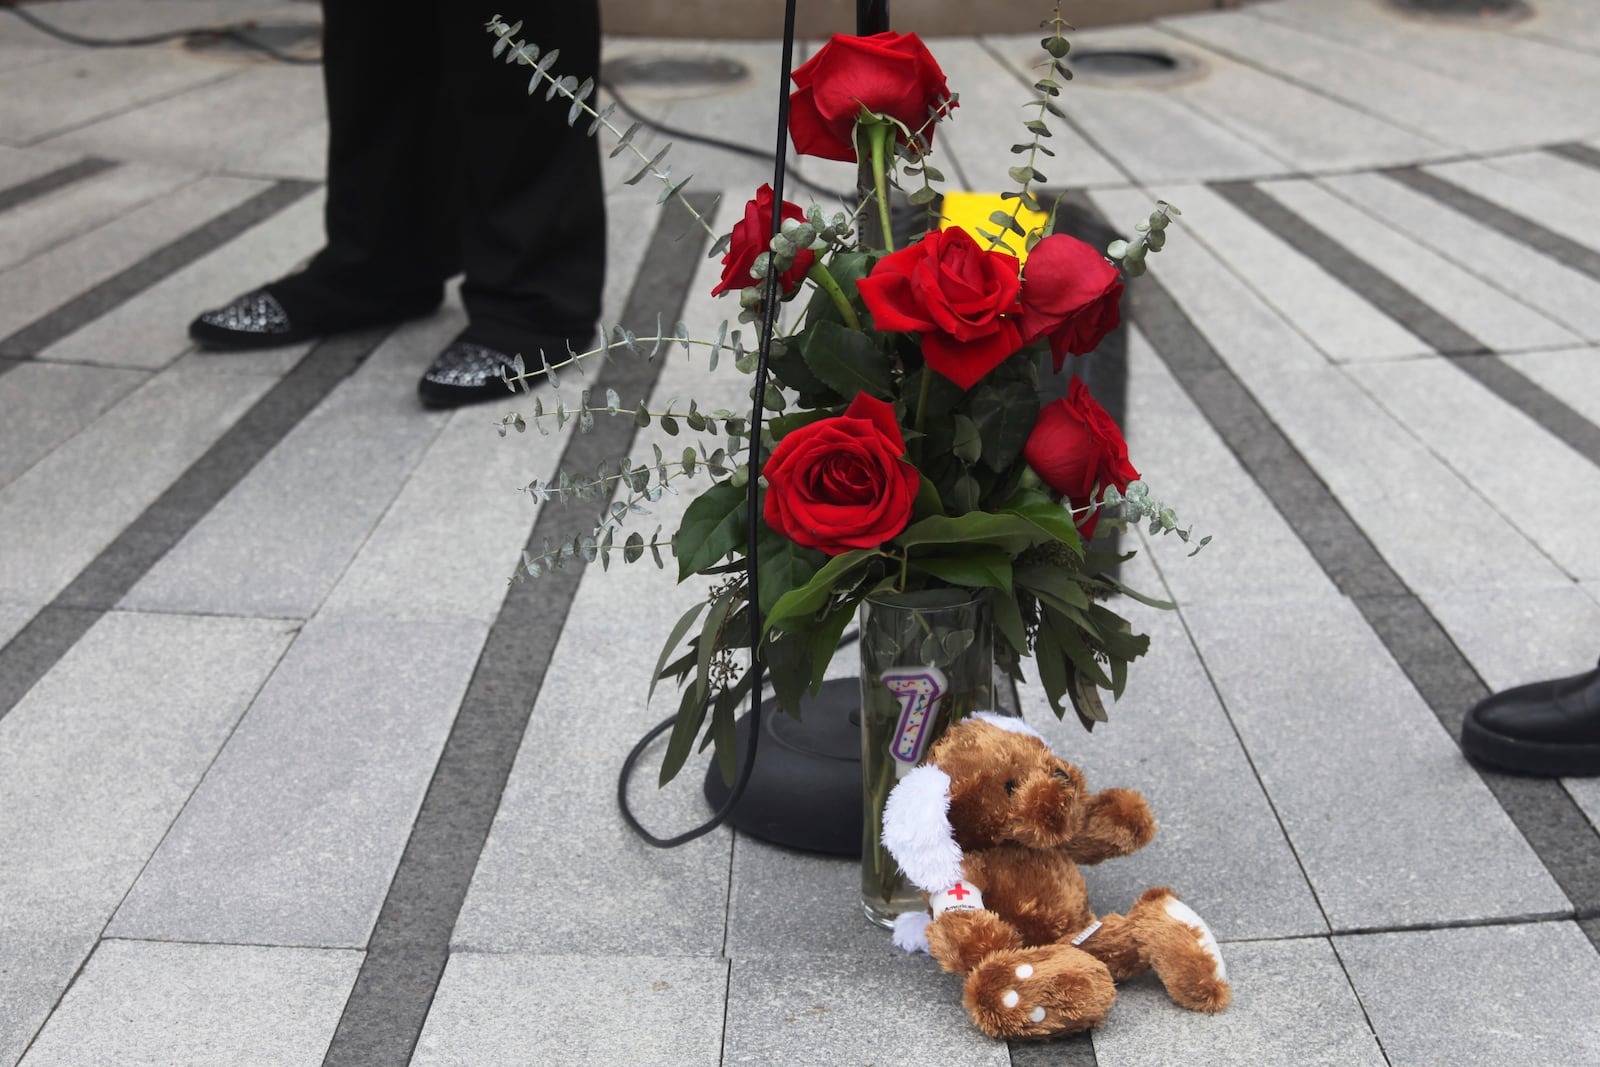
column 42, row 406
column 140, row 1005
column 116, row 467
column 79, row 207
column 1569, row 177
column 1415, row 837
column 16, row 57
column 45, row 282
column 563, row 1011
column 1335, row 319
column 1565, row 295
column 1572, row 25
column 151, row 330
column 1291, row 1004
column 1515, row 636
column 239, row 124
column 1570, row 374
column 1468, row 114
column 1254, row 551
column 296, row 831
column 1586, row 793
column 1220, row 844
column 1522, row 191
column 95, row 762
column 85, row 85
column 1387, row 480
column 980, row 132
column 1475, row 432
column 14, row 617
column 1514, row 995
column 788, row 903
column 18, row 165
column 110, row 18
column 889, row 1010
column 279, row 541
column 1501, row 322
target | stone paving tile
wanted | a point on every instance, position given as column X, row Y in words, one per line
column 1529, row 75
column 1507, row 996
column 1586, row 792
column 1415, row 836
column 1568, row 177
column 223, row 127
column 1468, row 114
column 14, row 617
column 1291, row 1004
column 117, row 466
column 1254, row 552
column 565, row 1011
column 113, row 18
column 295, row 833
column 18, row 165
column 1515, row 636
column 1568, row 374
column 84, row 85
column 1474, row 431
column 1570, row 216
column 981, row 145
column 1220, row 845
column 151, row 330
column 784, row 902
column 80, row 207
column 95, row 762
column 45, row 282
column 277, row 543
column 1501, row 322
column 1335, row 319
column 17, row 57
column 1390, row 484
column 888, row 1011
column 1570, row 23
column 42, row 406
column 1565, row 295
column 144, row 1005
column 1302, row 129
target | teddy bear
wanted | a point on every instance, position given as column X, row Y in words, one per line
column 993, row 827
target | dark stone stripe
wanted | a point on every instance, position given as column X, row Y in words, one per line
column 76, row 171
column 1540, row 808
column 1578, row 153
column 1401, row 305
column 1557, row 246
column 98, row 587
column 411, row 941
column 1074, row 1050
column 87, row 306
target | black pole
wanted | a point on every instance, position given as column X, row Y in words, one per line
column 872, row 16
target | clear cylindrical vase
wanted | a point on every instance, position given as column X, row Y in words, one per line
column 927, row 660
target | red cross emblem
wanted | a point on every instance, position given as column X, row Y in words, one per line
column 960, row 892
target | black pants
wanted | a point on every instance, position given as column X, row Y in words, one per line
column 439, row 163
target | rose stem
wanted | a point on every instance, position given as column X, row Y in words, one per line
column 825, row 281
column 879, row 135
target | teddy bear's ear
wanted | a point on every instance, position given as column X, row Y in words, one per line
column 917, row 830
column 1010, row 724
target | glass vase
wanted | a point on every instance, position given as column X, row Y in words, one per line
column 927, row 660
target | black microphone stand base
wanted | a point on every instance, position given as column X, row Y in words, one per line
column 805, row 790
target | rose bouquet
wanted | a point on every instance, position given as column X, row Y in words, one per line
column 911, row 442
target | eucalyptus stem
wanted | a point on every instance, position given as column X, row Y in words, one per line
column 879, row 135
column 824, row 280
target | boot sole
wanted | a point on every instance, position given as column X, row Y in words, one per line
column 1529, row 757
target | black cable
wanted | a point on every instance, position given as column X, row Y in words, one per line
column 769, row 316
column 237, row 31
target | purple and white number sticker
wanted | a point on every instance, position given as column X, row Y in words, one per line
column 918, row 690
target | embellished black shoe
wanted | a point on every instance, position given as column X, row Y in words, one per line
column 1549, row 728
column 296, row 309
column 470, row 373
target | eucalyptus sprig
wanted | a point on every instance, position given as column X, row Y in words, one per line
column 1152, row 238
column 1056, row 46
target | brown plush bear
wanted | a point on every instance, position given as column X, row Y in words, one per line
column 993, row 828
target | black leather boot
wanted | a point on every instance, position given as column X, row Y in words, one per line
column 1544, row 728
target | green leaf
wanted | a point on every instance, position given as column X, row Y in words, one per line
column 1086, row 701
column 1008, row 621
column 967, row 444
column 1055, row 583
column 1004, row 413
column 924, row 195
column 987, row 570
column 810, row 597
column 1008, row 533
column 1164, row 605
column 825, row 640
column 724, row 715
column 691, row 713
column 783, row 565
column 1068, row 637
column 788, row 667
column 1054, row 672
column 679, row 628
column 710, row 640
column 713, row 525
column 848, row 361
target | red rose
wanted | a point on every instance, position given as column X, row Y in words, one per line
column 1075, row 446
column 841, row 483
column 888, row 73
column 752, row 235
column 1070, row 294
column 961, row 298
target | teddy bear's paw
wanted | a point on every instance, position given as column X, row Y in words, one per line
column 1183, row 952
column 960, row 940
column 1039, row 992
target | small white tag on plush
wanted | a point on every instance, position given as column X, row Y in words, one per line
column 963, row 896
column 1086, row 933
